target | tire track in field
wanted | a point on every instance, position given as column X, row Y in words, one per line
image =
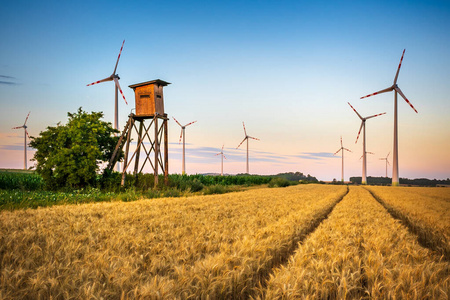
column 425, row 238
column 300, row 237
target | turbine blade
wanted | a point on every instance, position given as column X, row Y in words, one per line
column 347, row 150
column 407, row 101
column 355, row 111
column 375, row 115
column 245, row 131
column 388, row 155
column 362, row 124
column 190, row 123
column 181, row 135
column 224, row 156
column 115, row 68
column 223, row 146
column 18, row 127
column 177, row 121
column 250, row 137
column 388, row 162
column 241, row 142
column 26, row 131
column 361, row 157
column 337, row 151
column 379, row 92
column 103, row 80
column 26, row 119
column 341, row 142
column 370, row 152
column 399, row 65
column 118, row 86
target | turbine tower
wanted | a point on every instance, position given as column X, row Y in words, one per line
column 183, row 171
column 342, row 149
column 387, row 162
column 396, row 89
column 363, row 127
column 246, row 138
column 25, row 134
column 222, row 156
column 115, row 77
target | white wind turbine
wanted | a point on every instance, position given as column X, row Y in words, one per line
column 25, row 134
column 115, row 77
column 222, row 157
column 183, row 171
column 363, row 127
column 342, row 149
column 246, row 138
column 396, row 89
column 387, row 162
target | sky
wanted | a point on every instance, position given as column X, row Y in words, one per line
column 285, row 68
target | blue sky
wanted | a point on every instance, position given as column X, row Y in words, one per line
column 286, row 68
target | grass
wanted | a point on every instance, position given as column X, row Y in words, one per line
column 25, row 189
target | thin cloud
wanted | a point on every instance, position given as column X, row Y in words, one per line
column 8, row 78
column 316, row 155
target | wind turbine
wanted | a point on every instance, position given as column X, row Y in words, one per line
column 222, row 156
column 387, row 162
column 396, row 89
column 342, row 149
column 366, row 153
column 183, row 135
column 363, row 127
column 115, row 77
column 246, row 138
column 24, row 126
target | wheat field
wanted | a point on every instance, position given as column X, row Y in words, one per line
column 306, row 241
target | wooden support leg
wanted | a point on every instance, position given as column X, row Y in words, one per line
column 166, row 154
column 156, row 150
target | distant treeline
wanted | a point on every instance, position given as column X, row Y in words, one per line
column 297, row 176
column 388, row 181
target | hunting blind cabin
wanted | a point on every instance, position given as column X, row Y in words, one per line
column 152, row 138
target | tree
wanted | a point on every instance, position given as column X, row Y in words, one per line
column 70, row 155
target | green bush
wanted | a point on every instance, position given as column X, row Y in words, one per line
column 214, row 189
column 279, row 182
column 196, row 185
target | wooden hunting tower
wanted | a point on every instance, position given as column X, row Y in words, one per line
column 149, row 97
column 149, row 106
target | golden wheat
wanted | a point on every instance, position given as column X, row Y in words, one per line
column 216, row 246
column 425, row 210
column 360, row 251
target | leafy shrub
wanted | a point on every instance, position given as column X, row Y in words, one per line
column 279, row 182
column 196, row 185
column 214, row 189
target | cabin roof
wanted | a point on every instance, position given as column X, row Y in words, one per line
column 157, row 81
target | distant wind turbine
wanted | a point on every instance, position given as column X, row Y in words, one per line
column 222, row 157
column 396, row 89
column 342, row 149
column 367, row 152
column 363, row 127
column 246, row 138
column 115, row 77
column 183, row 135
column 387, row 162
column 25, row 134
